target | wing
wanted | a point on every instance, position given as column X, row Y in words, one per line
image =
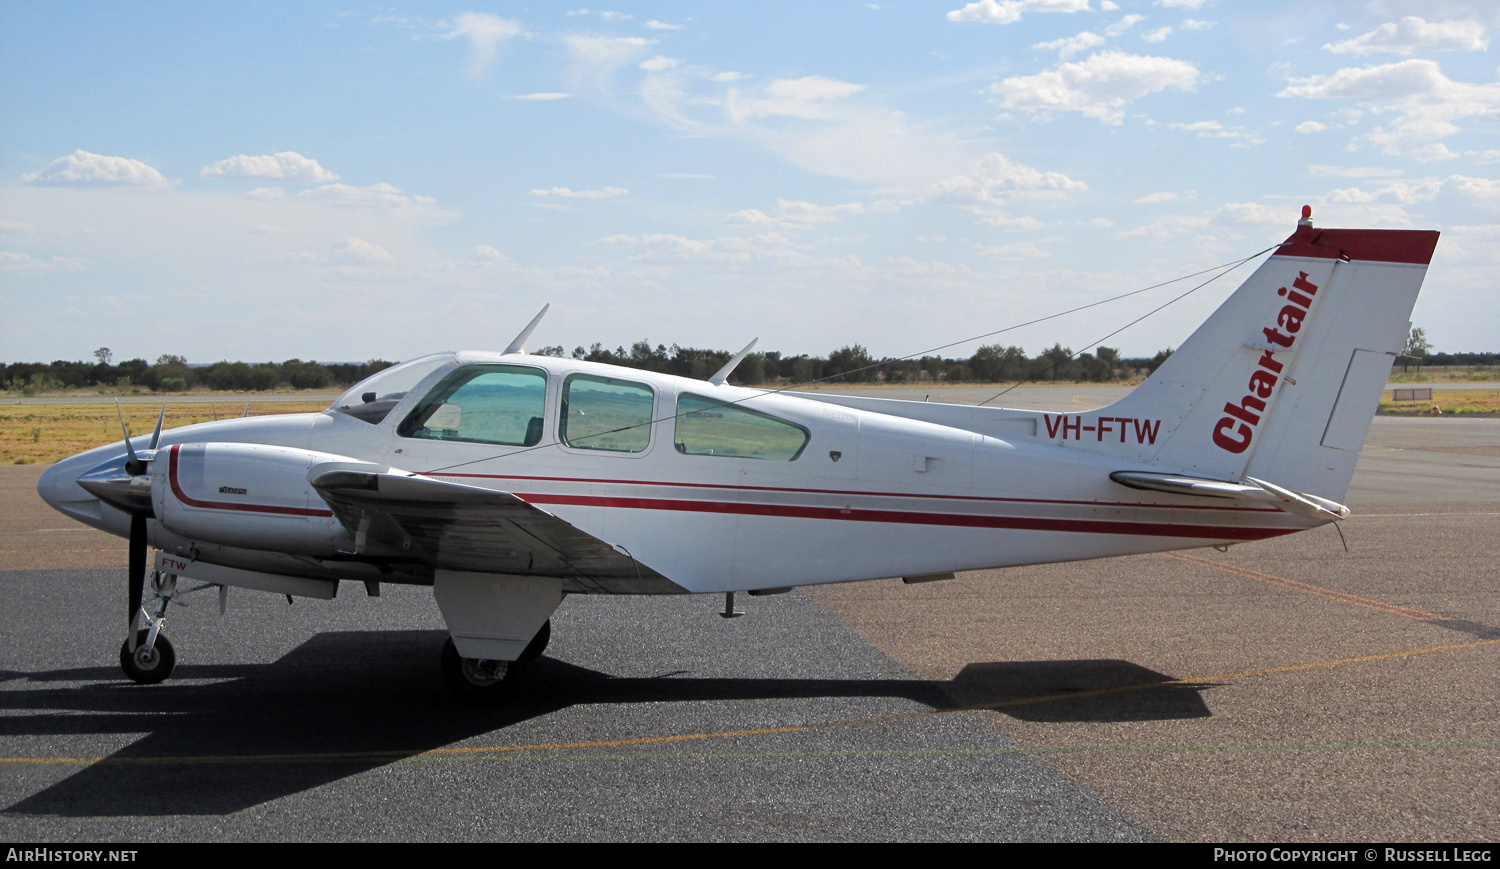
column 456, row 527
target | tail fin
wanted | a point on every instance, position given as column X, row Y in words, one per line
column 1282, row 381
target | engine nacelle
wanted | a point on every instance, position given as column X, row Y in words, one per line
column 250, row 496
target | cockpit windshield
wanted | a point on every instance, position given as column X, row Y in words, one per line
column 372, row 398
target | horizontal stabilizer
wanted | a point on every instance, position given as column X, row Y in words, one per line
column 1250, row 489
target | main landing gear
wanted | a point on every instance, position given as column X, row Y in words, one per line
column 147, row 656
column 479, row 680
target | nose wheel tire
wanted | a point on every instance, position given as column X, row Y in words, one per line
column 148, row 666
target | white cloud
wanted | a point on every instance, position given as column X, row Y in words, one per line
column 663, row 244
column 1412, row 34
column 375, row 194
column 1098, row 87
column 267, row 193
column 485, row 33
column 1072, row 45
column 286, row 165
column 806, row 97
column 1153, row 198
column 658, row 25
column 1010, row 11
column 1404, row 192
column 490, row 254
column 358, row 250
column 545, row 95
column 565, row 193
column 1483, row 188
column 1125, row 23
column 1108, row 6
column 1399, row 192
column 615, row 16
column 1019, row 249
column 595, row 59
column 82, row 168
column 1252, row 214
column 659, row 63
column 12, row 261
column 1194, row 24
column 1216, row 130
column 995, row 176
column 1157, row 35
column 1427, row 104
column 796, row 214
column 1000, row 220
column 1181, row 4
column 1319, row 170
column 1311, row 127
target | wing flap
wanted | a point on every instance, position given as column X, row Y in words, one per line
column 452, row 526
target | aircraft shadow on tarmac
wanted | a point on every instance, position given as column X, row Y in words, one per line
column 346, row 702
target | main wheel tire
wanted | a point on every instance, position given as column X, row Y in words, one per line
column 148, row 666
column 476, row 679
column 538, row 644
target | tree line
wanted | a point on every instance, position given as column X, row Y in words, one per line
column 850, row 364
column 992, row 363
column 173, row 374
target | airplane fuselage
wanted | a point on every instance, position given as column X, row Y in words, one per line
column 866, row 495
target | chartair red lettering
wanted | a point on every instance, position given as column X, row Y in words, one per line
column 1236, row 428
column 1226, row 442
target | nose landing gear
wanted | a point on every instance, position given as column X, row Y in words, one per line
column 147, row 656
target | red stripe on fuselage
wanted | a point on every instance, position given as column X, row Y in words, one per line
column 732, row 488
column 1024, row 523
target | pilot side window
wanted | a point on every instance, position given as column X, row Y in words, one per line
column 706, row 427
column 487, row 404
column 602, row 413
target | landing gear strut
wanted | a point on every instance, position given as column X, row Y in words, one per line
column 147, row 656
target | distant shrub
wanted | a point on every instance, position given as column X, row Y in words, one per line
column 173, row 384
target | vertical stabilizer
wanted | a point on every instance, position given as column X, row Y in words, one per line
column 1282, row 381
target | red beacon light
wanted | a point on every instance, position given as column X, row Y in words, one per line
column 1306, row 216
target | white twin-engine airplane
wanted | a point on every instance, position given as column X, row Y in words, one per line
column 507, row 481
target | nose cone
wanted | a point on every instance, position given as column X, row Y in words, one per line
column 59, row 483
column 60, row 486
column 120, row 483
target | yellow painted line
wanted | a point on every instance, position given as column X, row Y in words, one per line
column 472, row 751
column 1309, row 588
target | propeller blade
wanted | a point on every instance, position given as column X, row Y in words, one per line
column 156, row 435
column 137, row 574
column 133, row 465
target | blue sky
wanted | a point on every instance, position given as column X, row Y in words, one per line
column 343, row 181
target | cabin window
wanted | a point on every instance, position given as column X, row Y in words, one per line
column 602, row 413
column 706, row 427
column 487, row 404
